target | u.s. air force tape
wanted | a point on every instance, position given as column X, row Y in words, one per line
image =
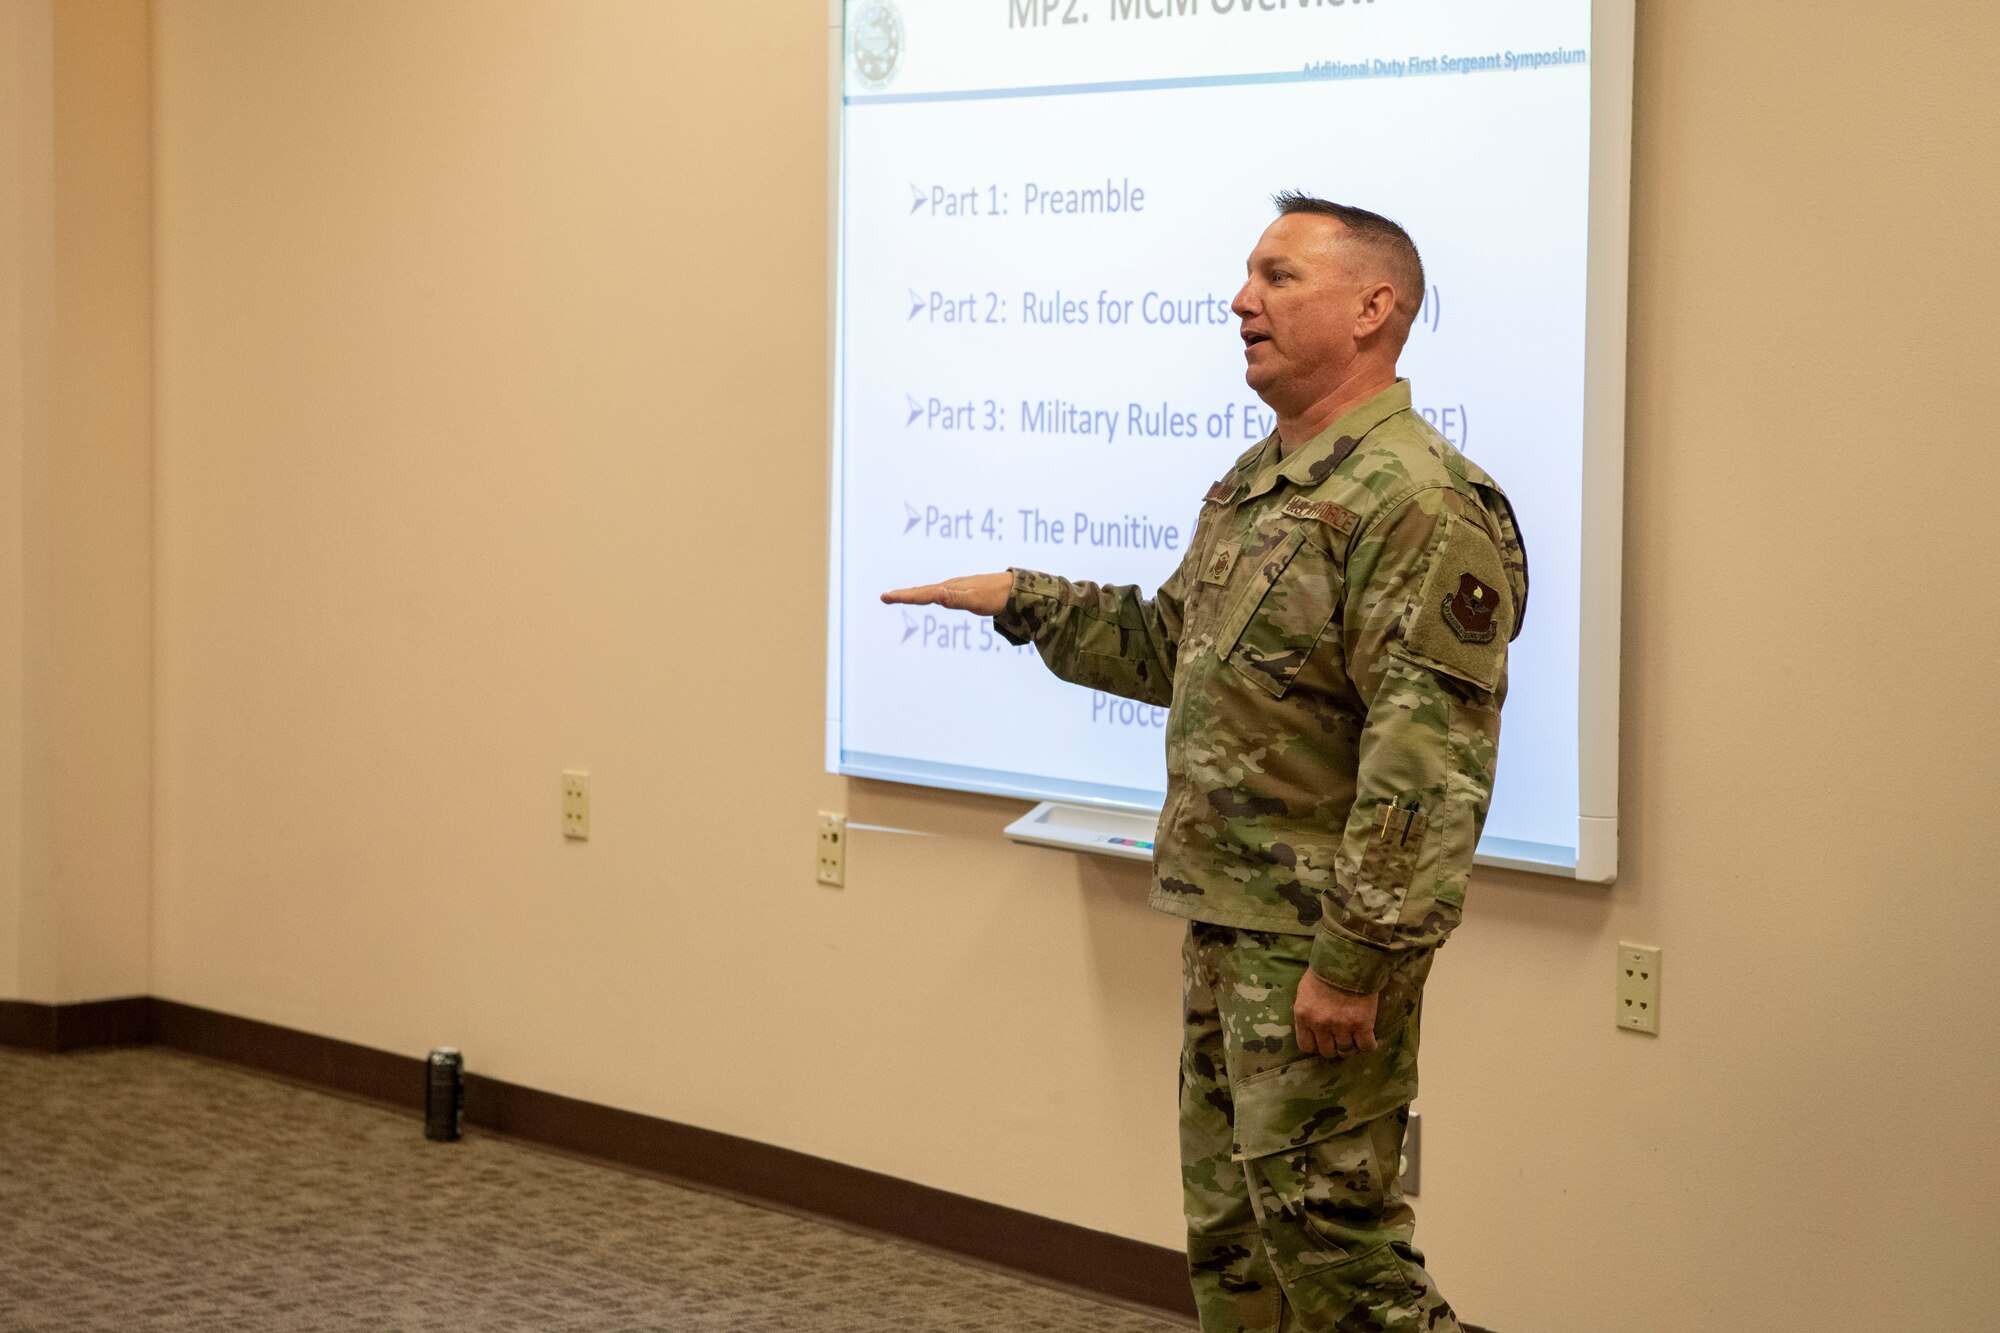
column 1338, row 517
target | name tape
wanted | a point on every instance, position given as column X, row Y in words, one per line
column 1338, row 517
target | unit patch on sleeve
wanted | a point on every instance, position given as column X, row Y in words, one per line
column 1220, row 493
column 1469, row 611
column 1461, row 618
column 1338, row 517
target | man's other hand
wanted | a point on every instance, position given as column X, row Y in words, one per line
column 981, row 594
column 1330, row 1021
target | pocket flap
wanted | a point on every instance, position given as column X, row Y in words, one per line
column 1285, row 627
column 1268, row 569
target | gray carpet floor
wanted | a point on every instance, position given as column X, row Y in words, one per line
column 146, row 1190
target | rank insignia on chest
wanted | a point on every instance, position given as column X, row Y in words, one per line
column 1469, row 611
column 1220, row 562
column 1338, row 517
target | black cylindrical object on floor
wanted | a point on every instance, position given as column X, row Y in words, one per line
column 444, row 1095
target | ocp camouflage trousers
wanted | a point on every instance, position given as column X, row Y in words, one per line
column 1290, row 1162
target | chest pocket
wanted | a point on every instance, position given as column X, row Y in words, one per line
column 1288, row 605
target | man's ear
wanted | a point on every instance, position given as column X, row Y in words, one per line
column 1378, row 306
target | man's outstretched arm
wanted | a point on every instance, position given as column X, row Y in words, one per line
column 1101, row 636
column 981, row 594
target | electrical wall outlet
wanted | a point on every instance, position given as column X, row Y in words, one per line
column 1639, row 988
column 576, row 804
column 832, row 849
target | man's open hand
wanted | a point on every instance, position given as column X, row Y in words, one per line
column 1332, row 1022
column 981, row 594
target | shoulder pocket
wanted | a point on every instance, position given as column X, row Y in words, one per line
column 1276, row 626
column 1465, row 614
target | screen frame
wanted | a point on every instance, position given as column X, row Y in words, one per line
column 1600, row 606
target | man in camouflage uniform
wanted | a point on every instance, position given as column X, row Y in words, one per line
column 1333, row 650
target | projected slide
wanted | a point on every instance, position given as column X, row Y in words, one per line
column 1044, row 209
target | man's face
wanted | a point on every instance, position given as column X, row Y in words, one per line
column 1298, row 308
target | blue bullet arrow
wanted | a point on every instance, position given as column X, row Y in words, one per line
column 909, row 628
column 916, row 305
column 916, row 409
column 915, row 517
column 920, row 200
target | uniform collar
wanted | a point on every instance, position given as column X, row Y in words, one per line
column 1244, row 472
column 1314, row 461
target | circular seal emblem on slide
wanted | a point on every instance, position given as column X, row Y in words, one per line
column 875, row 42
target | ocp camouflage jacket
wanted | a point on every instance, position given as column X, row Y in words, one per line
column 1334, row 651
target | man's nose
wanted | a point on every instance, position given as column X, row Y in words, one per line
column 1240, row 305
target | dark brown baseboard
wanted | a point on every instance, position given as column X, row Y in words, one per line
column 303, row 1057
column 1151, row 1277
column 75, row 1027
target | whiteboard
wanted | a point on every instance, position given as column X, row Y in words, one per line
column 1041, row 209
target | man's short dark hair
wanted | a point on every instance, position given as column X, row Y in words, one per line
column 1406, row 266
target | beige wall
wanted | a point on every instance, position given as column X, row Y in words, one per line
column 491, row 440
column 24, row 138
column 75, row 498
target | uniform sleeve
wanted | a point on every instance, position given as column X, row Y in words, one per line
column 1101, row 636
column 1427, row 612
